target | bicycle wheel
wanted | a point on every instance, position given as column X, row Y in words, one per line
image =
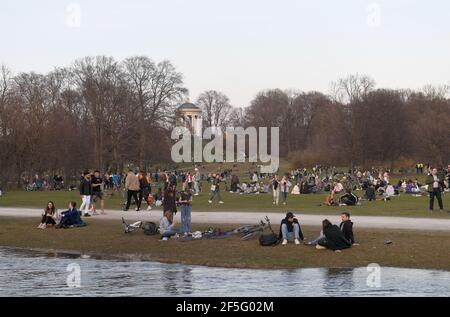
column 252, row 235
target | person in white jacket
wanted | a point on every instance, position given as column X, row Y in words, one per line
column 276, row 190
column 285, row 186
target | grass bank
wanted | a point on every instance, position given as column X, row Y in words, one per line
column 410, row 249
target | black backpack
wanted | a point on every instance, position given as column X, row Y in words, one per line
column 150, row 228
column 267, row 240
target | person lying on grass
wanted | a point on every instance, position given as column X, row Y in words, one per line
column 290, row 230
column 166, row 227
column 49, row 216
column 334, row 239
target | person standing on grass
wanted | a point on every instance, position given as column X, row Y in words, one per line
column 435, row 184
column 197, row 178
column 132, row 187
column 185, row 201
column 215, row 189
column 97, row 192
column 276, row 190
column 145, row 189
column 170, row 202
column 86, row 193
column 189, row 180
column 116, row 182
column 285, row 186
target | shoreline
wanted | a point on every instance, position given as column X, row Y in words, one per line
column 141, row 258
column 104, row 239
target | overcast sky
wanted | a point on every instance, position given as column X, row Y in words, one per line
column 239, row 47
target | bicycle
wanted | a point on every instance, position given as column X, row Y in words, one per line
column 253, row 231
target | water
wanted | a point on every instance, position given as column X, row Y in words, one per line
column 31, row 273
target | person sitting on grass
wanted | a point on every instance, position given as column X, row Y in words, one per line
column 333, row 239
column 166, row 227
column 388, row 193
column 370, row 194
column 71, row 218
column 290, row 230
column 49, row 216
column 347, row 227
column 329, row 200
column 349, row 199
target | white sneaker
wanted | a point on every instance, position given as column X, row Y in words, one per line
column 210, row 201
column 221, row 202
column 285, row 242
column 149, row 208
column 196, row 194
column 297, row 242
column 164, row 239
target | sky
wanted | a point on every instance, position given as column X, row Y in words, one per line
column 239, row 47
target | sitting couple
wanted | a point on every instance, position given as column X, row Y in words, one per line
column 335, row 238
column 69, row 218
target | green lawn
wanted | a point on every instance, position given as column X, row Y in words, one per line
column 404, row 205
column 410, row 249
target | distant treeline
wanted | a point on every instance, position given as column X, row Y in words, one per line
column 106, row 114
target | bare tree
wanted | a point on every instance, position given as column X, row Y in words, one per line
column 352, row 88
column 216, row 108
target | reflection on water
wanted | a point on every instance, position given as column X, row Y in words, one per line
column 30, row 273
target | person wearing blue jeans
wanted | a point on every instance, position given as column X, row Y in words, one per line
column 166, row 228
column 185, row 200
column 290, row 230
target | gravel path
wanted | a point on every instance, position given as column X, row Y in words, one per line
column 232, row 217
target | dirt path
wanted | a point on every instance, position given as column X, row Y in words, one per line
column 252, row 218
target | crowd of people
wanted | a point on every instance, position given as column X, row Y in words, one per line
column 137, row 186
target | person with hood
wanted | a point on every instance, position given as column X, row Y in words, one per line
column 334, row 238
column 290, row 230
column 347, row 227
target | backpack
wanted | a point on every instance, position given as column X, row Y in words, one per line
column 267, row 240
column 150, row 228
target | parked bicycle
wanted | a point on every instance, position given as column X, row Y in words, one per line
column 253, row 231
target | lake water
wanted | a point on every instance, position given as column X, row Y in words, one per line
column 31, row 273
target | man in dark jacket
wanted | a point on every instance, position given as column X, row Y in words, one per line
column 290, row 230
column 86, row 193
column 347, row 227
column 435, row 182
column 70, row 218
column 334, row 238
